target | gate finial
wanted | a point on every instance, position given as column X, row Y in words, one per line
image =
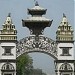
column 9, row 14
column 64, row 15
column 36, row 3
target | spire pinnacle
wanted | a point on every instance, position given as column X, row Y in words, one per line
column 36, row 3
column 9, row 14
column 64, row 15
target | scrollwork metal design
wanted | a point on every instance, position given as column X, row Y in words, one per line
column 37, row 44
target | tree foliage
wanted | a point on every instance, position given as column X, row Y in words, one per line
column 24, row 64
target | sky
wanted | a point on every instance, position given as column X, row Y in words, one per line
column 55, row 10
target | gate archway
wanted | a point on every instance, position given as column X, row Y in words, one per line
column 44, row 45
column 37, row 42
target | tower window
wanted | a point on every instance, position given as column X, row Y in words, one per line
column 65, row 51
column 7, row 51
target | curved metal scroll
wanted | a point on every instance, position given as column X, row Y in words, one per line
column 37, row 44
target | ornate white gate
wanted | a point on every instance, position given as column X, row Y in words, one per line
column 62, row 50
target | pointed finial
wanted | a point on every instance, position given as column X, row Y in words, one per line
column 9, row 14
column 36, row 3
column 64, row 15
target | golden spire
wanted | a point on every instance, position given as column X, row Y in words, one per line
column 9, row 14
column 65, row 31
column 36, row 3
column 8, row 32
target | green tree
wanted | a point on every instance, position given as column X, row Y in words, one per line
column 24, row 64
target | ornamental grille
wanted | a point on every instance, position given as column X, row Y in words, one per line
column 65, row 67
column 7, row 66
column 37, row 44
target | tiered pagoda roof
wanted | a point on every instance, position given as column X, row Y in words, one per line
column 65, row 31
column 8, row 32
column 36, row 23
column 37, row 10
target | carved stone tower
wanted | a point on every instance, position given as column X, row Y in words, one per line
column 64, row 38
column 8, row 38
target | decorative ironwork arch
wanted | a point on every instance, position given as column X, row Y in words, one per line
column 37, row 44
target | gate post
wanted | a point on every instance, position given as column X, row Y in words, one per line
column 64, row 38
column 8, row 39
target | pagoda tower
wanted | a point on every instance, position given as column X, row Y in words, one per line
column 64, row 38
column 8, row 38
column 36, row 23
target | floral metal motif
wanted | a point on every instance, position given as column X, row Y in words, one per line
column 37, row 44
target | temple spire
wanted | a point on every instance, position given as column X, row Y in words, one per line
column 36, row 3
column 8, row 20
column 65, row 31
column 8, row 32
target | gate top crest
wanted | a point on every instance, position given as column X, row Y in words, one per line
column 36, row 42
